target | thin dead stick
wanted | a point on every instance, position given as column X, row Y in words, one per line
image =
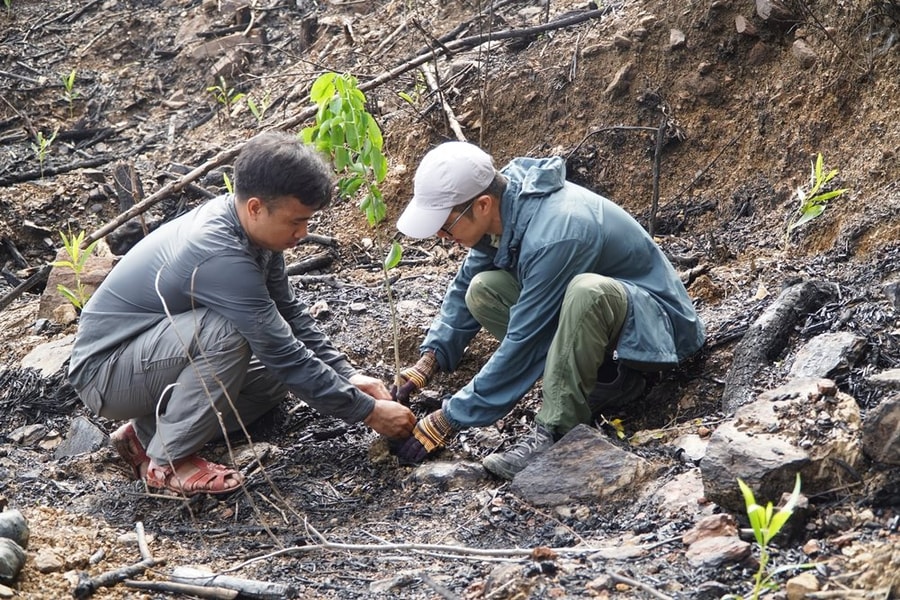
column 88, row 585
column 142, row 541
column 448, row 110
column 407, row 547
column 703, row 171
column 639, row 585
column 594, row 132
column 199, row 591
column 657, row 158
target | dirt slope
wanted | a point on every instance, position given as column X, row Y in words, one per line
column 746, row 104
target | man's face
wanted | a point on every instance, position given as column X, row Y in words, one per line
column 467, row 226
column 279, row 227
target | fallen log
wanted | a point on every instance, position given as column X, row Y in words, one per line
column 88, row 585
column 768, row 336
column 248, row 588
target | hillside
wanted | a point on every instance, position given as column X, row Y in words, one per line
column 745, row 94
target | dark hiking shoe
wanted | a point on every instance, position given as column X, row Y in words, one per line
column 507, row 464
column 617, row 387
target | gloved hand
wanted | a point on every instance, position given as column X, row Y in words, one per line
column 430, row 433
column 414, row 378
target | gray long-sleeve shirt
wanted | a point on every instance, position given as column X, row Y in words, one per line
column 204, row 258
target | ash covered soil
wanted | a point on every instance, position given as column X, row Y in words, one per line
column 746, row 104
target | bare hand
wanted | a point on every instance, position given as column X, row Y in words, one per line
column 391, row 419
column 370, row 385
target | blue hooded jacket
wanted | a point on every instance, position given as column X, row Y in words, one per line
column 554, row 230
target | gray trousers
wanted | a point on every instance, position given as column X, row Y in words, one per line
column 593, row 310
column 182, row 382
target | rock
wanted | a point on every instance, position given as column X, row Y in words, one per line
column 676, row 39
column 621, row 82
column 12, row 559
column 450, row 475
column 718, row 525
column 714, row 541
column 48, row 561
column 774, row 10
column 84, row 437
column 682, row 497
column 718, row 550
column 13, row 526
column 791, row 429
column 744, row 27
column 798, row 587
column 28, row 434
column 828, row 355
column 881, row 432
column 50, row 357
column 95, row 270
column 889, row 378
column 758, row 54
column 805, row 55
column 582, row 466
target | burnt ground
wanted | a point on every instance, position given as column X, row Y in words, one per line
column 745, row 113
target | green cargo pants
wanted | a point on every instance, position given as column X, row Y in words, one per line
column 592, row 313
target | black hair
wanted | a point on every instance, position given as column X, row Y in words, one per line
column 495, row 188
column 275, row 164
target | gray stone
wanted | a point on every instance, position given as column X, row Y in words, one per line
column 715, row 551
column 13, row 526
column 28, row 434
column 621, row 82
column 677, row 39
column 12, row 559
column 889, row 378
column 805, row 55
column 84, row 437
column 881, row 432
column 805, row 427
column 450, row 475
column 50, row 357
column 828, row 355
column 582, row 466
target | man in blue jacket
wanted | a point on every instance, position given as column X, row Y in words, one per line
column 198, row 329
column 574, row 288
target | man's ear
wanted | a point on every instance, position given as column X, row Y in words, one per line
column 254, row 206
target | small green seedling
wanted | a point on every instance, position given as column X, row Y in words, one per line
column 224, row 95
column 346, row 131
column 259, row 110
column 812, row 201
column 8, row 4
column 70, row 94
column 766, row 524
column 41, row 147
column 77, row 257
column 229, row 186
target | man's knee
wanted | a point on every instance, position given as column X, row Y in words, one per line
column 589, row 290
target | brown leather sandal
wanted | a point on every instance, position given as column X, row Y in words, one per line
column 210, row 478
column 126, row 443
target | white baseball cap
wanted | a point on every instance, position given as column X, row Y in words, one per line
column 448, row 175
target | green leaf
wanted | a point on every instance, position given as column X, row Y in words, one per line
column 374, row 133
column 323, row 88
column 341, row 158
column 395, row 253
column 808, row 215
column 406, row 97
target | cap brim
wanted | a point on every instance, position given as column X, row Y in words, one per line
column 418, row 222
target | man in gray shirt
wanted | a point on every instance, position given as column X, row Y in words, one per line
column 197, row 327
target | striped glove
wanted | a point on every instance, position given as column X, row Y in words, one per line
column 415, row 378
column 430, row 433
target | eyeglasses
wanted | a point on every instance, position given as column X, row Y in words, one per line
column 447, row 228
